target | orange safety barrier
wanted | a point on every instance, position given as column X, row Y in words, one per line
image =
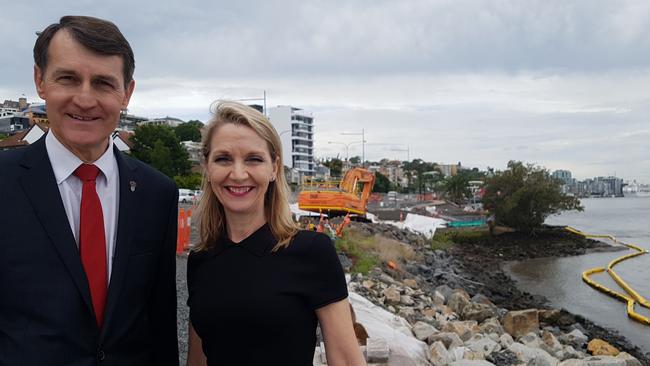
column 180, row 243
column 188, row 228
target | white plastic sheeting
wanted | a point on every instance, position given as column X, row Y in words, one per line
column 394, row 329
column 424, row 225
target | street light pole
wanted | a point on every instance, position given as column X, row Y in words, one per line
column 363, row 144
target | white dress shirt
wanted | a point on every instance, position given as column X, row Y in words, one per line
column 64, row 163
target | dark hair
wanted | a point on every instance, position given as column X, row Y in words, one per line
column 98, row 35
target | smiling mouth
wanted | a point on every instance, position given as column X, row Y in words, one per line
column 238, row 191
column 80, row 118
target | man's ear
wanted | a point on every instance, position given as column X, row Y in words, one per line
column 38, row 82
column 128, row 92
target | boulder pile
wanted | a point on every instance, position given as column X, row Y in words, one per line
column 460, row 330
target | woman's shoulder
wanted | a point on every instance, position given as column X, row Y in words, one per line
column 307, row 242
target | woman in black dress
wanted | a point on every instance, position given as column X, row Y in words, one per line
column 258, row 287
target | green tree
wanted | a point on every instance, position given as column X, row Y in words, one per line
column 382, row 183
column 190, row 131
column 335, row 165
column 3, row 136
column 192, row 181
column 457, row 187
column 523, row 196
column 159, row 147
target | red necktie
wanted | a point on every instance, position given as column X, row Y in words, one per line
column 92, row 242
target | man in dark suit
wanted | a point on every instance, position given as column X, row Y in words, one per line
column 87, row 234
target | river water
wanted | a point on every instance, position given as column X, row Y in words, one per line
column 559, row 279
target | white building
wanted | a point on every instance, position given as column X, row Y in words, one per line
column 296, row 130
column 166, row 121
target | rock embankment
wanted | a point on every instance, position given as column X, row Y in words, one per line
column 460, row 329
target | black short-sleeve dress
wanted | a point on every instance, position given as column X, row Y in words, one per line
column 252, row 306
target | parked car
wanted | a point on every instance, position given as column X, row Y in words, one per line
column 186, row 196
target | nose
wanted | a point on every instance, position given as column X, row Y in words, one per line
column 85, row 97
column 239, row 171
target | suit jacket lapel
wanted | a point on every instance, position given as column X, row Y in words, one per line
column 127, row 215
column 41, row 189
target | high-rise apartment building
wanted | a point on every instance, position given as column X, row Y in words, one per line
column 296, row 129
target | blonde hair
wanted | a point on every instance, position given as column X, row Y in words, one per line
column 210, row 212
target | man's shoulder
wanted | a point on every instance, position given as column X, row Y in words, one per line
column 10, row 159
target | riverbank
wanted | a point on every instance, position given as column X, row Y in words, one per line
column 475, row 264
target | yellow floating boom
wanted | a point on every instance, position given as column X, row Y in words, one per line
column 632, row 297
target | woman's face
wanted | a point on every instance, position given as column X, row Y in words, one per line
column 240, row 168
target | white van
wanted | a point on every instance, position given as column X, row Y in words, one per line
column 185, row 195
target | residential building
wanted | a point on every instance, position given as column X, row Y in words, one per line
column 165, row 121
column 449, row 170
column 296, row 130
column 24, row 137
column 12, row 123
column 128, row 122
column 194, row 150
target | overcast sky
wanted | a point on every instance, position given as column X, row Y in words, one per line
column 563, row 84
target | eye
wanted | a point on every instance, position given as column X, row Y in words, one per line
column 65, row 79
column 105, row 84
column 221, row 159
column 255, row 159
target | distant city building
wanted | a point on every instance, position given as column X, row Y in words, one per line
column 194, row 150
column 449, row 170
column 563, row 175
column 166, row 121
column 11, row 124
column 296, row 130
column 128, row 122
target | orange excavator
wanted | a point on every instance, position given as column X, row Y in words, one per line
column 347, row 197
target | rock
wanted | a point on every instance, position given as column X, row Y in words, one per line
column 506, row 340
column 604, row 361
column 573, row 362
column 482, row 344
column 530, row 340
column 438, row 298
column 503, row 358
column 450, row 340
column 492, row 325
column 598, row 347
column 368, row 284
column 477, row 311
column 438, row 354
column 518, row 323
column 464, row 329
column 458, row 353
column 471, row 363
column 377, row 350
column 430, row 313
column 482, row 299
column 457, row 301
column 410, row 283
column 568, row 352
column 392, row 295
column 550, row 344
column 406, row 311
column 473, row 355
column 549, row 316
column 532, row 356
column 407, row 300
column 629, row 359
column 575, row 338
column 445, row 291
column 423, row 330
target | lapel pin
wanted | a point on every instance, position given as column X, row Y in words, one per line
column 133, row 185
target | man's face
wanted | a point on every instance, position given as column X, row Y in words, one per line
column 84, row 92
